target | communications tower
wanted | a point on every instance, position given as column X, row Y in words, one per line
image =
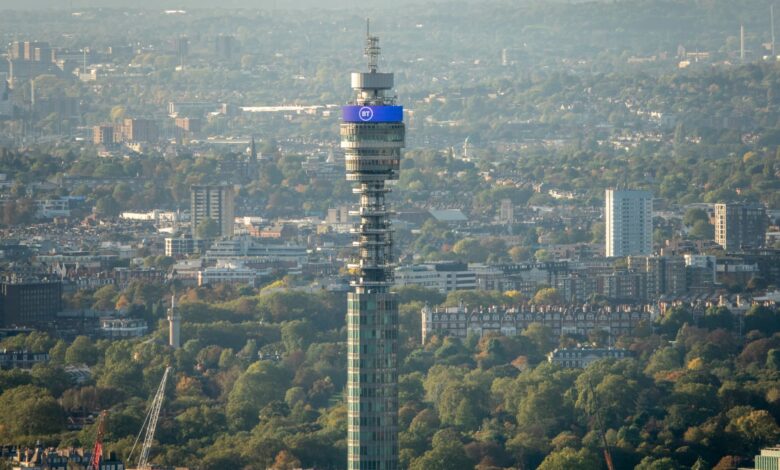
column 372, row 135
column 174, row 325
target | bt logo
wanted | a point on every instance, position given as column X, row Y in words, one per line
column 365, row 113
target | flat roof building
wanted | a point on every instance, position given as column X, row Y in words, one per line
column 740, row 226
column 629, row 222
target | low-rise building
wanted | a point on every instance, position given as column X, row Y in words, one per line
column 249, row 249
column 582, row 357
column 121, row 328
column 443, row 277
column 769, row 459
column 229, row 273
column 21, row 359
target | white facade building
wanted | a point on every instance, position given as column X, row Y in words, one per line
column 444, row 277
column 629, row 222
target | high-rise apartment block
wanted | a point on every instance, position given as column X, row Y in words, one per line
column 215, row 202
column 372, row 135
column 739, row 226
column 629, row 222
column 139, row 130
column 224, row 46
column 103, row 135
column 663, row 275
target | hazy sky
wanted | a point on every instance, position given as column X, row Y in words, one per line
column 184, row 4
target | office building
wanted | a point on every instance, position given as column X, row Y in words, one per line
column 215, row 202
column 372, row 136
column 29, row 303
column 443, row 277
column 740, row 226
column 629, row 222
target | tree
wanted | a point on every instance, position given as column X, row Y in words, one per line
column 207, row 229
column 582, row 459
column 702, row 230
column 105, row 297
column 447, row 454
column 694, row 215
column 665, row 463
column 757, row 429
column 107, row 207
column 547, row 296
column 262, row 383
column 81, row 351
column 27, row 411
column 541, row 336
column 286, row 461
column 297, row 334
column 117, row 113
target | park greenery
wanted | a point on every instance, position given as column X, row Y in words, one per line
column 260, row 378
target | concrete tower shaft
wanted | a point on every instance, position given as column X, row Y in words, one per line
column 372, row 136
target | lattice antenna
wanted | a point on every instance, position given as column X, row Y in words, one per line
column 372, row 48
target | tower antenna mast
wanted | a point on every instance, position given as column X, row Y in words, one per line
column 372, row 48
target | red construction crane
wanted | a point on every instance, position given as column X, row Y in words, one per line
column 97, row 450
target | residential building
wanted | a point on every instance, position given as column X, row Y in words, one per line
column 193, row 109
column 21, row 359
column 664, row 275
column 461, row 321
column 582, row 357
column 629, row 222
column 700, row 272
column 139, row 130
column 215, row 202
column 180, row 246
column 740, row 226
column 103, row 135
column 187, row 125
column 49, row 208
column 224, row 46
column 41, row 458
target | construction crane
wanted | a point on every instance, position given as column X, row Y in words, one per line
column 97, row 450
column 150, row 424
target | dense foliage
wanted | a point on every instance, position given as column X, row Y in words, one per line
column 260, row 378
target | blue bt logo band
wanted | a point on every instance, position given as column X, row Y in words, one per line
column 372, row 113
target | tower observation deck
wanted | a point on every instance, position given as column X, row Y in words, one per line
column 372, row 135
